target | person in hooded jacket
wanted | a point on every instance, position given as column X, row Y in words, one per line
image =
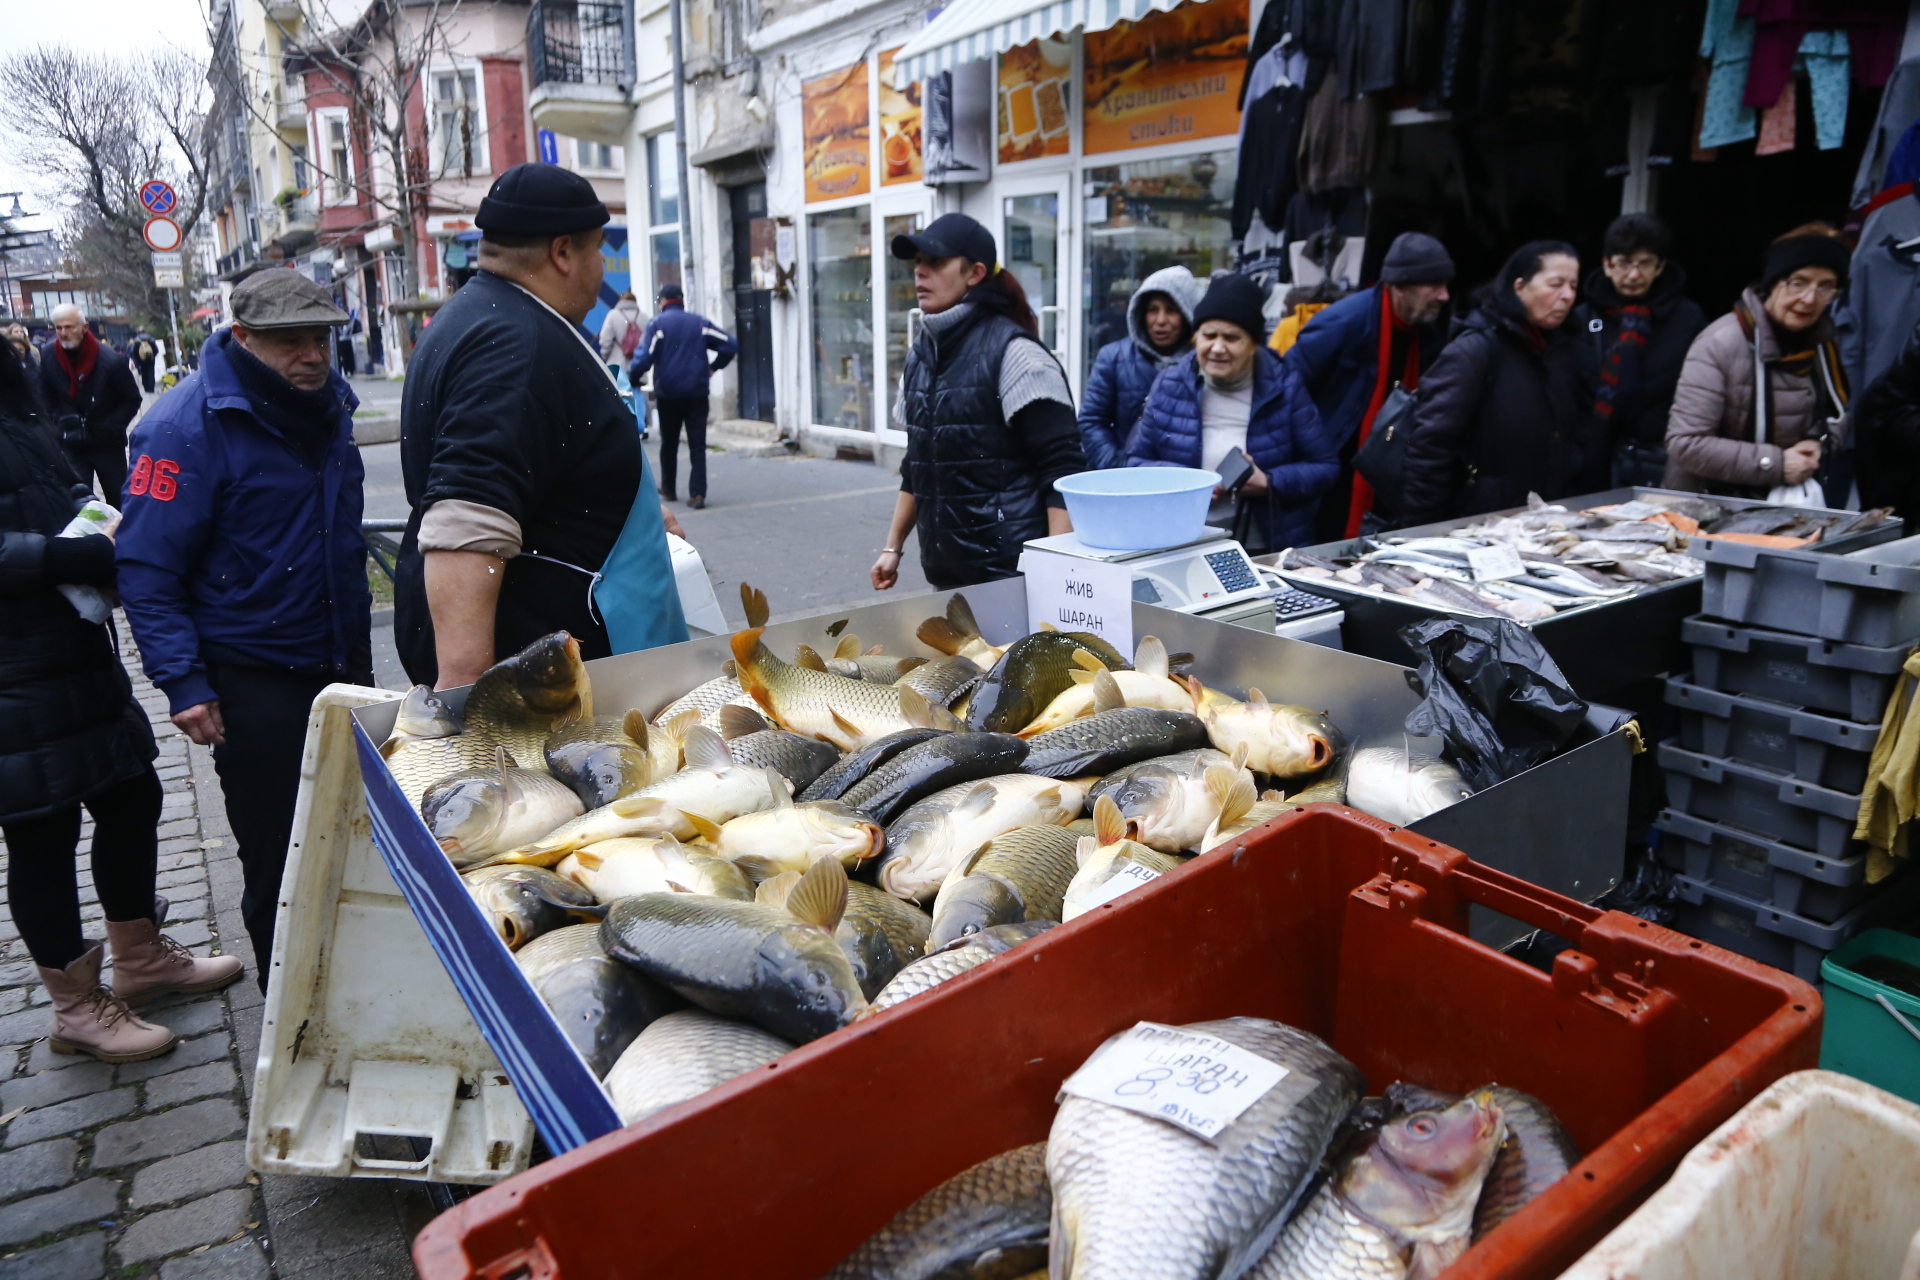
column 1886, row 436
column 988, row 415
column 1507, row 409
column 1230, row 393
column 1353, row 353
column 1159, row 335
column 75, row 737
column 1640, row 322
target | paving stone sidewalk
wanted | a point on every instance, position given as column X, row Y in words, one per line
column 140, row 1170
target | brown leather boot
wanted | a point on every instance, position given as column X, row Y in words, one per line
column 147, row 963
column 88, row 1018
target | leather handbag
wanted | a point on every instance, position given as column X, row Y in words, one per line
column 1382, row 458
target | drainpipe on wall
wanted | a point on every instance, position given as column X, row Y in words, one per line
column 680, row 123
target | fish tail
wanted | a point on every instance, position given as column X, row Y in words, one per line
column 938, row 633
column 753, row 662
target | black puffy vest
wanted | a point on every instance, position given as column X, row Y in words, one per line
column 977, row 496
column 68, row 723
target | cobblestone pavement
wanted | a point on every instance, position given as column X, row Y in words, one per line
column 140, row 1170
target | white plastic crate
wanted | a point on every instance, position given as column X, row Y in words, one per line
column 1817, row 1177
column 370, row 1064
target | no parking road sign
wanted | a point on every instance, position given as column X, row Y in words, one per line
column 157, row 197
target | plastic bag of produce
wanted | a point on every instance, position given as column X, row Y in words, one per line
column 1490, row 693
column 91, row 603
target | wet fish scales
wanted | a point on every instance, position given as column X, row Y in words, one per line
column 600, row 1004
column 1538, row 1152
column 682, row 1055
column 931, row 766
column 855, row 765
column 985, row 1223
column 1109, row 740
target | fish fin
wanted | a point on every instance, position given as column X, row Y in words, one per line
column 1082, row 677
column 779, row 788
column 586, row 859
column 1257, row 698
column 707, row 750
column 637, row 805
column 938, row 633
column 965, row 865
column 730, row 669
column 1150, row 659
column 873, row 651
column 820, row 896
column 707, row 828
column 776, row 891
column 945, row 719
column 748, row 655
column 976, row 801
column 1084, row 850
column 908, row 664
column 677, row 887
column 1106, row 692
column 1271, row 794
column 1239, row 758
column 838, row 625
column 845, row 725
column 1195, row 691
column 1108, row 826
column 960, row 614
column 1047, row 626
column 754, row 602
column 737, row 721
column 1232, row 791
column 849, row 646
column 1087, row 661
column 634, row 725
column 805, row 656
column 915, row 709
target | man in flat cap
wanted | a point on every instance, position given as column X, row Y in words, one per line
column 241, row 563
column 533, row 507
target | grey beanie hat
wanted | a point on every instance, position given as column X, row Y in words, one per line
column 1414, row 258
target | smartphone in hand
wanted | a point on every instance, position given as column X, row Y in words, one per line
column 1234, row 470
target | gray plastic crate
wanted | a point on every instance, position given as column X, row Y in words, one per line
column 1824, row 750
column 1848, row 680
column 1778, row 875
column 1869, row 596
column 1779, row 938
column 1760, row 800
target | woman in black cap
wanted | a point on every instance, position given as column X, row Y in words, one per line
column 988, row 415
column 1231, row 396
column 1725, row 438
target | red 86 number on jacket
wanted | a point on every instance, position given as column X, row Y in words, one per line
column 154, row 479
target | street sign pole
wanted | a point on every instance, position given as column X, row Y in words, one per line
column 173, row 320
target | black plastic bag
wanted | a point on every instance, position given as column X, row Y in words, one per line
column 1493, row 697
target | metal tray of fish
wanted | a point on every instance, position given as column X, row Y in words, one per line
column 1851, row 681
column 1715, row 914
column 1823, row 750
column 1626, row 628
column 1761, row 800
column 1561, row 825
column 1763, row 870
column 1870, row 596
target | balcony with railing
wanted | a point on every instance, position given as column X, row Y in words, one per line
column 580, row 58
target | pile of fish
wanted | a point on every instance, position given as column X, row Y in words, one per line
column 1566, row 559
column 794, row 845
column 1312, row 1181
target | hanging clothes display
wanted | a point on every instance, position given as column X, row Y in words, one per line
column 1369, row 44
column 1727, row 38
column 1270, row 132
column 1337, row 139
column 1777, row 123
column 1826, row 56
column 1874, row 29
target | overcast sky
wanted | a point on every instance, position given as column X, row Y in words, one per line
column 93, row 26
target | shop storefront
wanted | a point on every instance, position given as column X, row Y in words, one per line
column 1112, row 156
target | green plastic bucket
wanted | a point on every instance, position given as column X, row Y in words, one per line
column 1862, row 1038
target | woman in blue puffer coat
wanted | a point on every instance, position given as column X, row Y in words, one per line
column 1233, row 393
column 1159, row 335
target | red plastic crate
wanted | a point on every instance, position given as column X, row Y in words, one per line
column 1642, row 1040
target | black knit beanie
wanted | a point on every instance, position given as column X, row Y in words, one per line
column 1238, row 300
column 1795, row 252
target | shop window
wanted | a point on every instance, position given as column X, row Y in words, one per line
column 840, row 252
column 1033, row 256
column 663, row 178
column 666, row 259
column 1147, row 215
column 903, row 307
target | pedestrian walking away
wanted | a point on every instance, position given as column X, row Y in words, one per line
column 675, row 348
column 74, row 737
column 533, row 508
column 1353, row 354
column 1886, row 435
column 1507, row 408
column 89, row 389
column 1233, row 394
column 143, row 352
column 242, row 567
column 1734, row 432
column 988, row 415
column 1159, row 335
column 620, row 331
column 1640, row 323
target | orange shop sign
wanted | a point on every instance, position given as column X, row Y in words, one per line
column 834, row 116
column 1167, row 78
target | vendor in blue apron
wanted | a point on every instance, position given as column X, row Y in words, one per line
column 534, row 510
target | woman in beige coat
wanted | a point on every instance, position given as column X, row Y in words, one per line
column 1718, row 438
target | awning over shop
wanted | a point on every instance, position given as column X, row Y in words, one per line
column 971, row 29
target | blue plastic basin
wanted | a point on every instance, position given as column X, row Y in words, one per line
column 1138, row 508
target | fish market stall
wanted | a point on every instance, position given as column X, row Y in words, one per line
column 1602, row 579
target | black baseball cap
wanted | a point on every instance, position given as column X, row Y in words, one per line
column 951, row 235
column 671, row 293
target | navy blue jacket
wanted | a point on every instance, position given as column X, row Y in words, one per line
column 229, row 541
column 1285, row 439
column 675, row 347
column 1117, row 387
column 1337, row 356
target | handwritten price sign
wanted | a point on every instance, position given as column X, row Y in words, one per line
column 1197, row 1082
column 1125, row 880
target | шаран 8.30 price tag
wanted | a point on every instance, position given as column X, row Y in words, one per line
column 1197, row 1082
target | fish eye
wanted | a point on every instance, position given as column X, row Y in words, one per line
column 1422, row 1127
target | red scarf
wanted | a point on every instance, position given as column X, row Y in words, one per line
column 78, row 364
column 1390, row 324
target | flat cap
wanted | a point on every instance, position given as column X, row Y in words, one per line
column 538, row 200
column 281, row 298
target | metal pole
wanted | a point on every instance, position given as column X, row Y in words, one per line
column 680, row 155
column 173, row 320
